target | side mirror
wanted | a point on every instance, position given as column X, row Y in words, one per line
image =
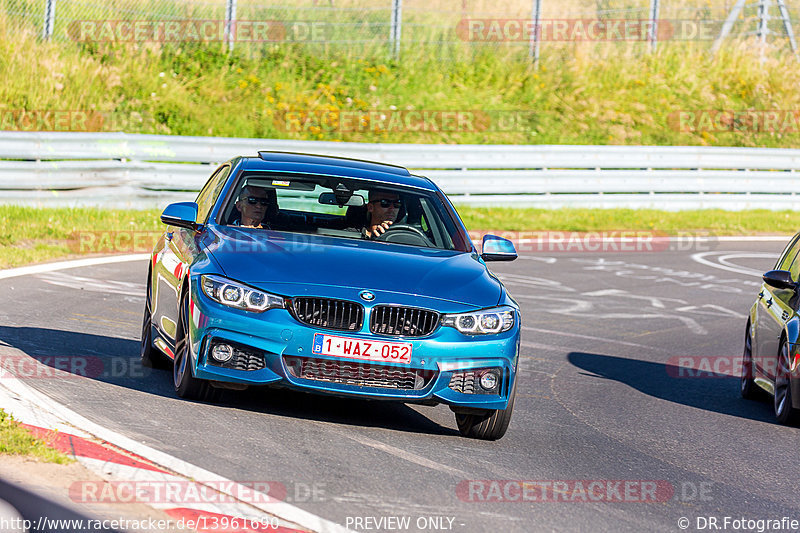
column 496, row 248
column 181, row 214
column 780, row 279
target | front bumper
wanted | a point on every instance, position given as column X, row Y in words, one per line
column 286, row 343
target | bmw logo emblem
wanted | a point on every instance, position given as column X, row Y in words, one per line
column 366, row 295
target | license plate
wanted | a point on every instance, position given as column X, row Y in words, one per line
column 376, row 351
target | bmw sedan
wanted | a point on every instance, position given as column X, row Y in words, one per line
column 771, row 361
column 332, row 276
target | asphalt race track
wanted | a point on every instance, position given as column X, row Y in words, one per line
column 602, row 398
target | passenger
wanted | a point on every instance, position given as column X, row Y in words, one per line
column 253, row 205
column 382, row 210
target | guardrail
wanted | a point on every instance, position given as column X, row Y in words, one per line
column 132, row 170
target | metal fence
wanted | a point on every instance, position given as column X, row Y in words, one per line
column 391, row 26
column 138, row 171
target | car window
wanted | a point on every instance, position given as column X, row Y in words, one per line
column 789, row 254
column 307, row 204
column 795, row 268
column 210, row 192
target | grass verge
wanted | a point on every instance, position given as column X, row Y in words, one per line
column 713, row 221
column 582, row 93
column 33, row 235
column 16, row 440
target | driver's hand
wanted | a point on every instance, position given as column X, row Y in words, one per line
column 382, row 227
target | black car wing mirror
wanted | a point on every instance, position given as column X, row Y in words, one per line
column 780, row 279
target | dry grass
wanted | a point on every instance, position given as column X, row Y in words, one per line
column 584, row 93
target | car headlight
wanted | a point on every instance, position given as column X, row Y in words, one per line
column 484, row 322
column 233, row 294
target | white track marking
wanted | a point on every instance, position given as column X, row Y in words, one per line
column 548, row 260
column 657, row 302
column 747, row 238
column 62, row 279
column 588, row 337
column 532, row 281
column 724, row 264
column 406, row 455
column 63, row 265
column 539, row 346
column 565, row 307
column 712, row 310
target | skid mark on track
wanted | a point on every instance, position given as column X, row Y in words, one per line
column 667, row 275
column 589, row 337
column 62, row 279
column 405, row 455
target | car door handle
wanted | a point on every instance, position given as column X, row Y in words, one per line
column 169, row 236
column 769, row 302
column 760, row 295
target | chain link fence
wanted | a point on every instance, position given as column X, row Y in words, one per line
column 391, row 26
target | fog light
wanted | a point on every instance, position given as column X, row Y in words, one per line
column 222, row 352
column 489, row 380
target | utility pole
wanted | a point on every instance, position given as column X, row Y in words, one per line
column 536, row 34
column 49, row 19
column 654, row 25
column 396, row 27
column 230, row 23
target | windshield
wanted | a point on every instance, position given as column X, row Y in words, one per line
column 342, row 208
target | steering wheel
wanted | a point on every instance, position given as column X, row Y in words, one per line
column 396, row 232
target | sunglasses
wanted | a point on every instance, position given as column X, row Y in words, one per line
column 386, row 203
column 253, row 200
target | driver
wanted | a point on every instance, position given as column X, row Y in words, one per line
column 382, row 210
column 252, row 204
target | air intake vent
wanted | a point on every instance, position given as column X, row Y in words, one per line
column 327, row 313
column 359, row 374
column 403, row 321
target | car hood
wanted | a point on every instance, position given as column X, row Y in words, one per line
column 282, row 262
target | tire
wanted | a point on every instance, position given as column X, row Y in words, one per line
column 782, row 401
column 186, row 385
column 150, row 356
column 490, row 425
column 748, row 388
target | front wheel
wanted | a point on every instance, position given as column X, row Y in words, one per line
column 489, row 425
column 784, row 411
column 186, row 385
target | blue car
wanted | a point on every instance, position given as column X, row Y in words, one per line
column 332, row 276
